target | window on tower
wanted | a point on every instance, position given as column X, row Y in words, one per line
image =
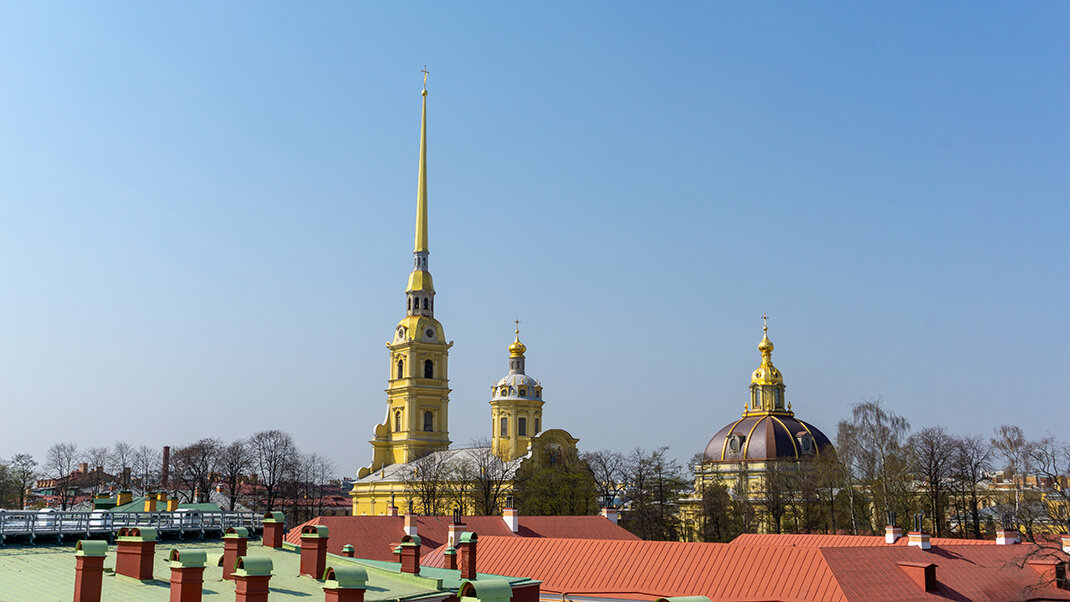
column 429, row 421
column 401, row 368
column 429, row 369
column 503, row 430
column 536, row 427
column 522, row 427
column 777, row 399
column 425, row 302
column 397, row 422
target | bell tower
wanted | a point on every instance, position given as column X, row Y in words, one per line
column 767, row 383
column 417, row 393
column 515, row 407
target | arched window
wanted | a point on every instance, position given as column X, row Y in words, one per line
column 522, row 392
column 401, row 368
column 778, row 399
column 536, row 427
column 428, row 421
column 425, row 302
column 429, row 369
column 504, row 429
column 408, row 303
column 522, row 427
column 397, row 422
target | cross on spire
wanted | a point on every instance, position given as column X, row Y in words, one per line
column 425, row 72
column 517, row 322
column 765, row 323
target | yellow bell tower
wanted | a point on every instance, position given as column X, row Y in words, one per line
column 515, row 407
column 418, row 388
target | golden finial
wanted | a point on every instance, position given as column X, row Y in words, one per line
column 425, row 72
column 517, row 322
column 765, row 323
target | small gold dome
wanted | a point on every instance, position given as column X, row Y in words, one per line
column 517, row 349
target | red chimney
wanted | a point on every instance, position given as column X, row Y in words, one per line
column 450, row 556
column 314, row 550
column 89, row 570
column 923, row 573
column 164, row 469
column 468, row 555
column 251, row 577
column 235, row 546
column 348, row 551
column 133, row 554
column 344, row 584
column 274, row 527
column 410, row 554
column 187, row 575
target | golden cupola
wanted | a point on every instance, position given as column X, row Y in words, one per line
column 767, row 383
column 517, row 349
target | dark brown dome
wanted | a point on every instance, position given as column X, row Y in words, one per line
column 765, row 437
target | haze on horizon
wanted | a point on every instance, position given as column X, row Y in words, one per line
column 206, row 214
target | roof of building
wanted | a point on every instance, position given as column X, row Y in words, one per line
column 735, row 571
column 375, row 537
column 138, row 505
column 843, row 541
column 46, row 572
column 401, row 471
column 771, row 436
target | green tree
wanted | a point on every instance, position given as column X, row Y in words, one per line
column 718, row 522
column 655, row 482
column 555, row 482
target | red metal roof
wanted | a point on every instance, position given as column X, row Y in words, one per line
column 374, row 537
column 819, row 540
column 736, row 571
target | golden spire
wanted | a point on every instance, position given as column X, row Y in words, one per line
column 766, row 374
column 517, row 349
column 421, row 192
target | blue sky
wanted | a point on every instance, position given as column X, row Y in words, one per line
column 206, row 214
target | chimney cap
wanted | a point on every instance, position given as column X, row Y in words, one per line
column 413, row 540
column 469, row 537
column 137, row 534
column 345, row 577
column 236, row 533
column 86, row 547
column 486, row 590
column 274, row 517
column 187, row 558
column 253, row 566
column 314, row 531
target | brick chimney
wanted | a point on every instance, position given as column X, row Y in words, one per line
column 274, row 528
column 124, row 497
column 1007, row 537
column 133, row 554
column 892, row 532
column 922, row 573
column 455, row 528
column 126, row 477
column 450, row 556
column 251, row 577
column 83, row 468
column 89, row 570
column 187, row 574
column 344, row 584
column 165, row 466
column 919, row 538
column 410, row 554
column 410, row 522
column 610, row 513
column 511, row 516
column 348, row 551
column 314, row 550
column 235, row 546
column 468, row 555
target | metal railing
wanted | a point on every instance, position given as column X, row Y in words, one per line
column 60, row 523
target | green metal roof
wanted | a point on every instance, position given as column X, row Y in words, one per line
column 46, row 572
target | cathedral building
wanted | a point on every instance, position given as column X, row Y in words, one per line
column 766, row 442
column 415, row 433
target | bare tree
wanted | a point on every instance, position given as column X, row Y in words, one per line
column 310, row 481
column 876, row 450
column 23, row 473
column 1012, row 446
column 60, row 463
column 933, row 451
column 122, row 458
column 275, row 458
column 425, row 480
column 608, row 468
column 193, row 467
column 777, row 488
column 233, row 463
column 655, row 482
column 1050, row 458
column 486, row 477
column 147, row 462
column 970, row 462
column 97, row 458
